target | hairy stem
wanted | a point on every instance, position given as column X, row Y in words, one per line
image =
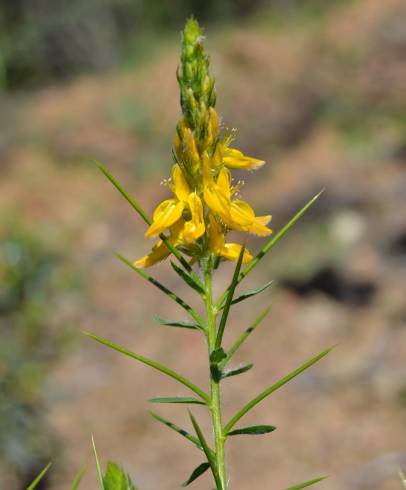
column 215, row 405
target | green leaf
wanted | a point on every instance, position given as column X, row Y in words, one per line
column 207, row 451
column 116, row 479
column 244, row 336
column 78, row 479
column 202, row 468
column 176, row 428
column 154, row 364
column 189, row 280
column 229, row 298
column 237, row 371
column 273, row 388
column 37, row 480
column 250, row 293
column 163, row 288
column 98, row 466
column 253, row 430
column 177, row 399
column 124, row 193
column 271, row 243
column 307, row 483
column 177, row 323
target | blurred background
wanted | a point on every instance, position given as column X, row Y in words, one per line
column 317, row 89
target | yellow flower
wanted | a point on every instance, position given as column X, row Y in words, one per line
column 233, row 158
column 160, row 251
column 236, row 214
column 230, row 251
column 185, row 204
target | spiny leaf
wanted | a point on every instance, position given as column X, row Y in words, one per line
column 78, row 479
column 163, row 288
column 229, row 298
column 244, row 335
column 177, row 429
column 177, row 399
column 37, row 480
column 202, row 468
column 116, row 479
column 98, row 465
column 237, row 371
column 189, row 280
column 150, row 362
column 207, row 451
column 307, row 483
column 273, row 388
column 178, row 323
column 250, row 293
column 271, row 243
column 253, row 430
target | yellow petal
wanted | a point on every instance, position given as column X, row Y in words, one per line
column 231, row 251
column 216, row 236
column 194, row 228
column 234, row 158
column 258, row 228
column 242, row 214
column 179, row 184
column 165, row 215
column 243, row 219
column 224, row 182
column 159, row 252
column 216, row 195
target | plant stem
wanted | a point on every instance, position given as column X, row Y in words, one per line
column 215, row 406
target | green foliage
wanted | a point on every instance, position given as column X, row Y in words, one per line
column 253, row 430
column 306, row 484
column 116, row 479
column 198, row 471
column 38, row 479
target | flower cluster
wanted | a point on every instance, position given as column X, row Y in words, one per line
column 204, row 206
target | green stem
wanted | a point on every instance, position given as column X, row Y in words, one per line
column 215, row 406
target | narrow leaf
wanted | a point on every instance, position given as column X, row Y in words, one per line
column 271, row 243
column 178, row 323
column 189, row 280
column 177, row 399
column 253, row 430
column 37, row 480
column 154, row 364
column 207, row 451
column 116, row 479
column 244, row 336
column 176, row 428
column 273, row 388
column 124, row 193
column 98, row 466
column 237, row 371
column 229, row 298
column 307, row 483
column 251, row 292
column 163, row 288
column 202, row 468
column 78, row 479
